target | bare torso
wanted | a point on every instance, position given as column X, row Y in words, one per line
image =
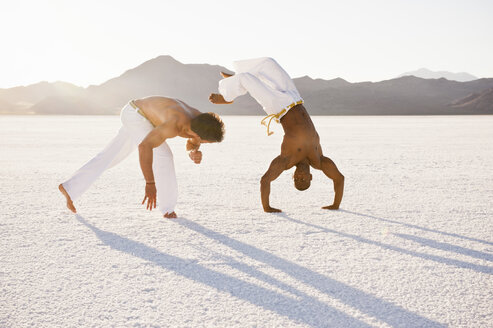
column 301, row 141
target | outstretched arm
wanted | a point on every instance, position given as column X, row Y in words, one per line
column 155, row 138
column 331, row 171
column 278, row 165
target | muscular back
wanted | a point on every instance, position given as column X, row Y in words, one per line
column 159, row 110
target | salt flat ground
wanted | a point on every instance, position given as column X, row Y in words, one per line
column 412, row 245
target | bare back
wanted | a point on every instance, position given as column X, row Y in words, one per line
column 160, row 110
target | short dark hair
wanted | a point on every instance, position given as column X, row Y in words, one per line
column 302, row 185
column 208, row 126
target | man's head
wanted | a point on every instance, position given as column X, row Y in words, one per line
column 208, row 126
column 302, row 176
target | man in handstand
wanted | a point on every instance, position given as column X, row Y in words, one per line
column 146, row 124
column 273, row 89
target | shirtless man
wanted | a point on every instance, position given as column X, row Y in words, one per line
column 272, row 87
column 146, row 124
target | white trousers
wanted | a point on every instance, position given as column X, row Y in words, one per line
column 134, row 129
column 265, row 80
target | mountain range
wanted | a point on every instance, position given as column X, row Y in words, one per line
column 192, row 83
column 427, row 74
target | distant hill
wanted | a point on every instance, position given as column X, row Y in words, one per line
column 479, row 102
column 21, row 100
column 407, row 95
column 427, row 74
column 166, row 76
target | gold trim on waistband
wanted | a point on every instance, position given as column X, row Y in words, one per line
column 277, row 116
column 140, row 111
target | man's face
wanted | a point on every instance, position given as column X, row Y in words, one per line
column 302, row 178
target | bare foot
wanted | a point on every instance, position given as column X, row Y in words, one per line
column 171, row 215
column 331, row 207
column 272, row 210
column 218, row 99
column 225, row 75
column 70, row 204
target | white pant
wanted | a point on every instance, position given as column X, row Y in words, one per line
column 135, row 128
column 265, row 80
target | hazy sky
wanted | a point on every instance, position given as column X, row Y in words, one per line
column 88, row 42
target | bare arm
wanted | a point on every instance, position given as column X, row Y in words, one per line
column 193, row 145
column 277, row 166
column 155, row 138
column 331, row 171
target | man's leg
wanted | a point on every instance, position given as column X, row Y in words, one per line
column 134, row 129
column 241, row 83
column 268, row 69
column 163, row 166
column 117, row 150
column 165, row 177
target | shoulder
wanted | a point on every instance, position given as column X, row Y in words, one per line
column 180, row 120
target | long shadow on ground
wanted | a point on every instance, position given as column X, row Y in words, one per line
column 301, row 308
column 387, row 312
column 447, row 247
column 418, row 227
column 435, row 258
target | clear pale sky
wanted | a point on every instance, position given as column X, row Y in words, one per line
column 88, row 42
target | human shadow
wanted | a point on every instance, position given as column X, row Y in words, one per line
column 387, row 312
column 447, row 247
column 301, row 308
column 435, row 258
column 418, row 227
